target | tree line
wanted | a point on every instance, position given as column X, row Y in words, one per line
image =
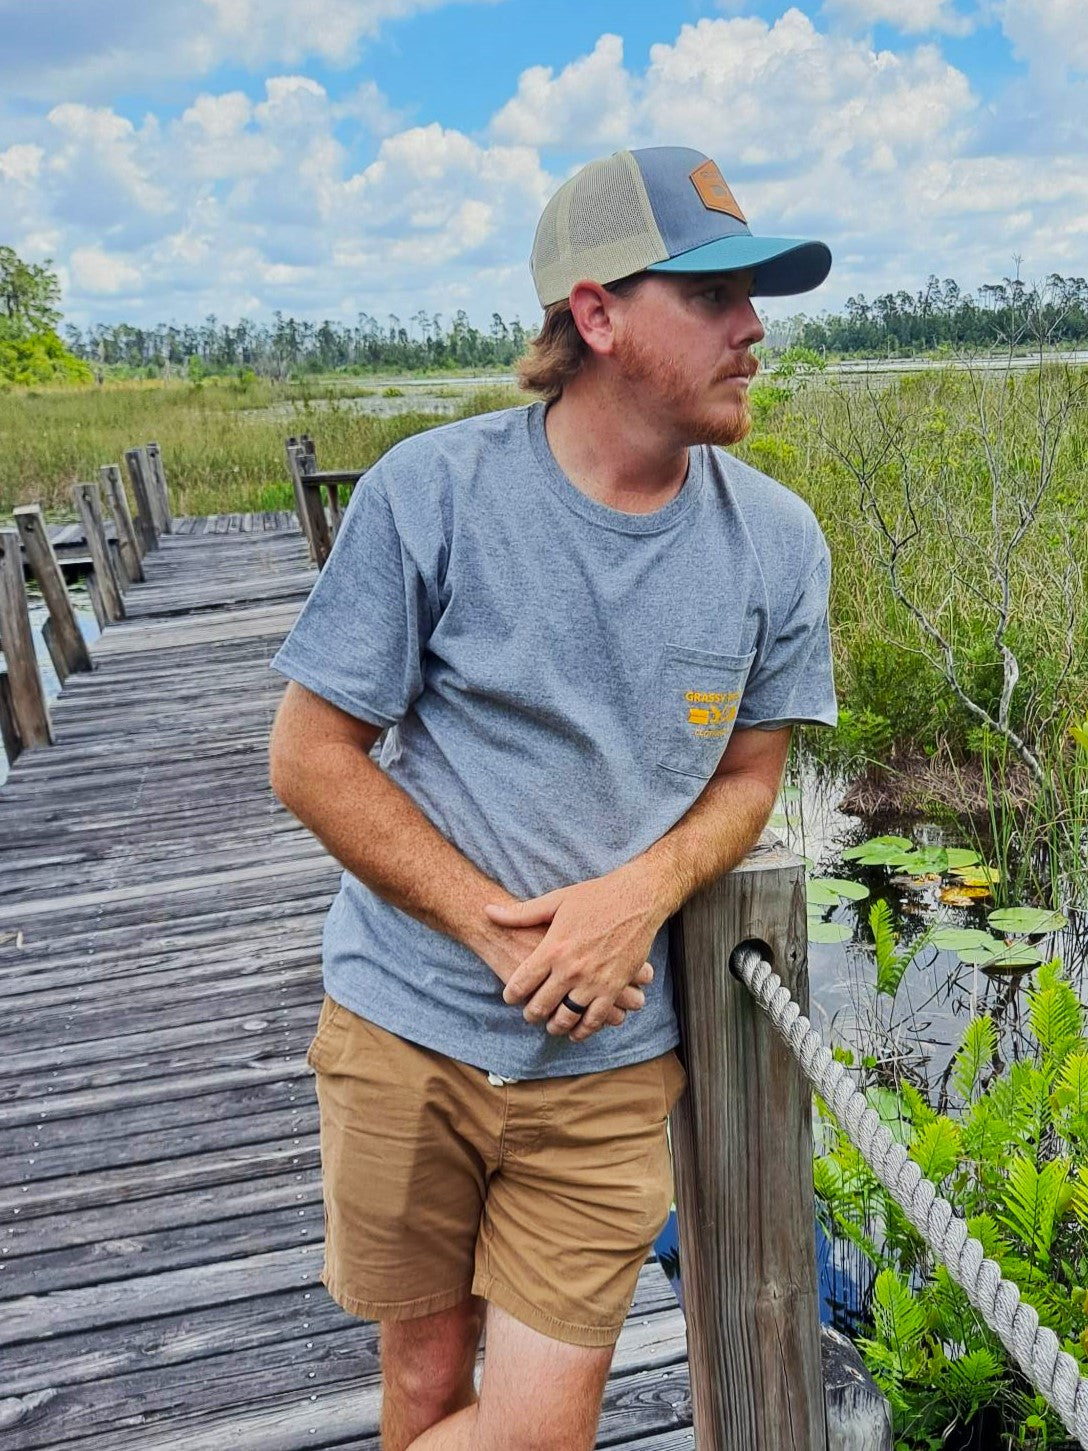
column 289, row 345
column 942, row 315
column 939, row 316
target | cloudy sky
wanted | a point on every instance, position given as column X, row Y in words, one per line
column 183, row 157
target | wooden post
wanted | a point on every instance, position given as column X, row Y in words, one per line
column 9, row 731
column 139, row 471
column 65, row 639
column 25, row 705
column 302, row 463
column 742, row 1148
column 88, row 500
column 161, row 493
column 127, row 539
column 295, row 473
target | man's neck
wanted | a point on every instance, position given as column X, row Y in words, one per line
column 613, row 454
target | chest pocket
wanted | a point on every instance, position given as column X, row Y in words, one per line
column 698, row 696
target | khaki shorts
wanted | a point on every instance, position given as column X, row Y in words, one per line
column 544, row 1196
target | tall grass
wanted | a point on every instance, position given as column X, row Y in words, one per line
column 222, row 445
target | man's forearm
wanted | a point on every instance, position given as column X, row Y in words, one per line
column 375, row 830
column 716, row 832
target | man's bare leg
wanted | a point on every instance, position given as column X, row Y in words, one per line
column 427, row 1370
column 537, row 1394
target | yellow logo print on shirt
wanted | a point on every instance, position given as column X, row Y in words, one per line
column 712, row 712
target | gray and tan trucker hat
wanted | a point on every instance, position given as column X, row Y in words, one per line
column 660, row 209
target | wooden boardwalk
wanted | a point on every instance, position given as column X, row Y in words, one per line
column 160, row 923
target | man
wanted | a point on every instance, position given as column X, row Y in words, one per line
column 586, row 634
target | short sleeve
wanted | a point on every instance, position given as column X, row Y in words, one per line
column 792, row 680
column 361, row 635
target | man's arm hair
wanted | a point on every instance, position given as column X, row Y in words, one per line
column 722, row 825
column 320, row 768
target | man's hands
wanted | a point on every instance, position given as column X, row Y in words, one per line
column 509, row 948
column 594, row 938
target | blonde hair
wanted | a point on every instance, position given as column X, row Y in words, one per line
column 555, row 356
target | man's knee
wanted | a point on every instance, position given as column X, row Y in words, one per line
column 428, row 1361
column 539, row 1394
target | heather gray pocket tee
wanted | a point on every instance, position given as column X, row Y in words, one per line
column 559, row 680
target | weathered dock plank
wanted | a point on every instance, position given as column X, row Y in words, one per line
column 160, row 927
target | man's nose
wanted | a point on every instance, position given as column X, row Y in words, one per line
column 747, row 328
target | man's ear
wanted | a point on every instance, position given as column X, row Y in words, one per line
column 592, row 308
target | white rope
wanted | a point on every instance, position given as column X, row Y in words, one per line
column 1036, row 1349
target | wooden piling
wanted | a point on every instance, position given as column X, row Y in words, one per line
column 742, row 1151
column 143, row 488
column 127, row 538
column 25, row 707
column 161, row 493
column 302, row 464
column 65, row 639
column 88, row 501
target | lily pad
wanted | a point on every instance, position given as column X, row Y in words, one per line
column 978, row 876
column 879, row 851
column 827, row 891
column 925, row 861
column 959, row 939
column 963, row 896
column 1020, row 921
column 959, row 857
column 998, row 957
column 819, row 931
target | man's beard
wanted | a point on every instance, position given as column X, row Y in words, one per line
column 699, row 420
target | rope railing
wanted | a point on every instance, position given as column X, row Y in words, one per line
column 1035, row 1348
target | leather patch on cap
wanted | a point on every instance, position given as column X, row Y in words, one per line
column 713, row 192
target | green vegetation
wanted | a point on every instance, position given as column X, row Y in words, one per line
column 1008, row 1145
column 941, row 317
column 30, row 351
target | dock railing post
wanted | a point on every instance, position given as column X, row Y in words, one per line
column 143, row 488
column 23, row 703
column 742, row 1150
column 65, row 640
column 161, row 493
column 127, row 538
column 88, row 502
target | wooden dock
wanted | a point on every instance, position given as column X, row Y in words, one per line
column 160, row 923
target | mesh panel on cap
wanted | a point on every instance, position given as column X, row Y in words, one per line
column 607, row 205
column 599, row 224
column 546, row 242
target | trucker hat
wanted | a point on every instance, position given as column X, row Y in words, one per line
column 660, row 209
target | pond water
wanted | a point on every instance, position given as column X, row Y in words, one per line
column 939, row 993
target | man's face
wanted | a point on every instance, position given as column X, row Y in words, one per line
column 682, row 342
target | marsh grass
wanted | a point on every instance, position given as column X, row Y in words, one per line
column 222, row 453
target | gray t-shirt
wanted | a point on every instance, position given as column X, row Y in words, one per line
column 559, row 680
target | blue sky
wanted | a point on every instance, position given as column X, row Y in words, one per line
column 329, row 157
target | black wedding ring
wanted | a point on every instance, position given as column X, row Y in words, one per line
column 568, row 1002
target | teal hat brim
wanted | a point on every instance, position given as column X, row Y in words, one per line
column 783, row 265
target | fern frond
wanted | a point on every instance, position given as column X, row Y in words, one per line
column 977, row 1050
column 937, row 1149
column 899, row 1319
column 919, row 1110
column 1056, row 1017
column 1031, row 1202
column 1080, row 1197
column 1069, row 1100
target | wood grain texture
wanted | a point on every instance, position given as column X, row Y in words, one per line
column 127, row 538
column 66, row 644
column 160, row 939
column 88, row 501
column 165, row 520
column 742, row 1138
column 143, row 489
column 26, row 713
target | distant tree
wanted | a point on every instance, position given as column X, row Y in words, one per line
column 29, row 295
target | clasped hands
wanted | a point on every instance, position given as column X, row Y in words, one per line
column 592, row 940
